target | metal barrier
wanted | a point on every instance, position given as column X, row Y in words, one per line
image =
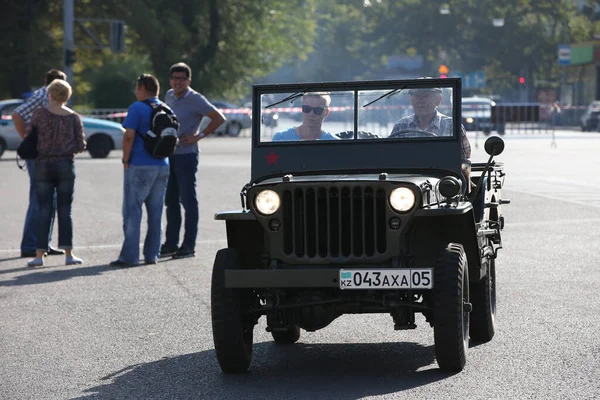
column 522, row 117
column 109, row 114
column 512, row 117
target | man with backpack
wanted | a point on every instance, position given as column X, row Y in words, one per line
column 190, row 107
column 147, row 143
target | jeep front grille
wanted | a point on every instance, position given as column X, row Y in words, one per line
column 338, row 221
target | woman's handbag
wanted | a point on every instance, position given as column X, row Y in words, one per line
column 28, row 148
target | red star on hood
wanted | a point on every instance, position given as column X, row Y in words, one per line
column 272, row 158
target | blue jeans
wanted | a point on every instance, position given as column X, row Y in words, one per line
column 182, row 189
column 55, row 177
column 143, row 184
column 29, row 241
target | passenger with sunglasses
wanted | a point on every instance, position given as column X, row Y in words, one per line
column 315, row 108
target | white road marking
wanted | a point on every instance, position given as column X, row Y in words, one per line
column 117, row 246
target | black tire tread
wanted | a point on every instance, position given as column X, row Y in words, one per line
column 231, row 334
column 99, row 145
column 482, row 325
column 448, row 328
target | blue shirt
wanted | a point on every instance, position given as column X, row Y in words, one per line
column 190, row 108
column 138, row 119
column 291, row 134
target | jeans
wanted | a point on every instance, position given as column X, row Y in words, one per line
column 55, row 177
column 143, row 185
column 29, row 241
column 182, row 189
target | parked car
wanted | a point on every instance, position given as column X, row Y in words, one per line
column 269, row 117
column 382, row 225
column 589, row 119
column 477, row 115
column 101, row 136
column 236, row 121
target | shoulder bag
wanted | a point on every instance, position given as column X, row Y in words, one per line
column 28, row 148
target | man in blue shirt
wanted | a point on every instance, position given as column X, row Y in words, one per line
column 190, row 107
column 145, row 179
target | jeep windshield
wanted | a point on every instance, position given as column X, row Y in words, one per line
column 412, row 122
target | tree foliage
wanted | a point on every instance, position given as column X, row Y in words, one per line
column 231, row 44
column 228, row 43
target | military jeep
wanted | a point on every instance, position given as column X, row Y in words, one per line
column 363, row 201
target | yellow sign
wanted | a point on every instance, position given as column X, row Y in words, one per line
column 443, row 69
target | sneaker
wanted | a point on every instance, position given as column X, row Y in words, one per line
column 150, row 262
column 167, row 251
column 36, row 262
column 184, row 252
column 72, row 260
column 120, row 264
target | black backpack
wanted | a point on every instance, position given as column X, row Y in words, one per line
column 161, row 139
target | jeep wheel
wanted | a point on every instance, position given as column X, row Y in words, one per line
column 289, row 336
column 232, row 333
column 483, row 298
column 451, row 308
column 99, row 145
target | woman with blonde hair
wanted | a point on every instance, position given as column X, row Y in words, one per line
column 60, row 137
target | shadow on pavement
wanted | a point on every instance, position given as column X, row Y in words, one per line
column 12, row 258
column 307, row 371
column 51, row 274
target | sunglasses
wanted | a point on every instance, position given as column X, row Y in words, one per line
column 316, row 110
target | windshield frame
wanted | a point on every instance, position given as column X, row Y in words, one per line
column 309, row 157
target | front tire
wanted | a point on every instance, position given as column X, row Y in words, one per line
column 289, row 336
column 483, row 296
column 99, row 146
column 451, row 308
column 233, row 333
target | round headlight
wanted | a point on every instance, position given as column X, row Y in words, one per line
column 470, row 120
column 449, row 187
column 267, row 202
column 402, row 199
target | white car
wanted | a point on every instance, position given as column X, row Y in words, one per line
column 238, row 118
column 477, row 115
column 101, row 136
column 589, row 119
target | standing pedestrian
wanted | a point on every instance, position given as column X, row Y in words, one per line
column 556, row 113
column 145, row 179
column 190, row 107
column 60, row 137
column 21, row 118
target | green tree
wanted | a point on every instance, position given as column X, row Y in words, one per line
column 228, row 43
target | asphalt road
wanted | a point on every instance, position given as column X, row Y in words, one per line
column 93, row 331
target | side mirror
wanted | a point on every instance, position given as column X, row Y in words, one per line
column 494, row 145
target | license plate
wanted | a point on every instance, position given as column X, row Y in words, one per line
column 415, row 278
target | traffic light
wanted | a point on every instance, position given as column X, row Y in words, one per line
column 522, row 80
column 117, row 37
column 69, row 57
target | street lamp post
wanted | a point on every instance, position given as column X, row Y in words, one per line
column 68, row 38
